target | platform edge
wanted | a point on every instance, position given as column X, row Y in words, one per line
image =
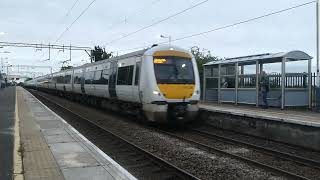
column 17, row 150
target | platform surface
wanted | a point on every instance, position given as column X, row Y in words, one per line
column 55, row 150
column 7, row 111
column 296, row 116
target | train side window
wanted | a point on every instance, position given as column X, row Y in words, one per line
column 88, row 77
column 130, row 75
column 105, row 76
column 77, row 78
column 125, row 75
column 67, row 79
column 137, row 77
column 97, row 77
column 60, row 79
column 122, row 76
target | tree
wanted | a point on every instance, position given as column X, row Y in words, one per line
column 66, row 67
column 99, row 54
column 202, row 57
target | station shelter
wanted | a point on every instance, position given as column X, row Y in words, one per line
column 225, row 81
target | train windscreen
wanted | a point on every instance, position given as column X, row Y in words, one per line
column 173, row 70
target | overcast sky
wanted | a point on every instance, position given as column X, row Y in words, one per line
column 39, row 21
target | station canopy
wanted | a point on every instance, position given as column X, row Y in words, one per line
column 264, row 58
column 225, row 80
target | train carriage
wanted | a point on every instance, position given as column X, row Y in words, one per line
column 161, row 83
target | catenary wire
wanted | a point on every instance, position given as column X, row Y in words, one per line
column 68, row 27
column 226, row 26
column 157, row 22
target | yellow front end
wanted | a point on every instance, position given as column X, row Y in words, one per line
column 175, row 78
column 177, row 91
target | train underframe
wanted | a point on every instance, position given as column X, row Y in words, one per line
column 158, row 112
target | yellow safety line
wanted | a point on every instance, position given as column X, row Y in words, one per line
column 17, row 157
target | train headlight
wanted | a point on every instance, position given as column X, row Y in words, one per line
column 156, row 92
column 197, row 92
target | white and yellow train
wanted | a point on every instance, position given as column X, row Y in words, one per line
column 161, row 83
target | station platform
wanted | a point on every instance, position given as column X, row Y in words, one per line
column 297, row 116
column 53, row 149
column 294, row 126
column 7, row 118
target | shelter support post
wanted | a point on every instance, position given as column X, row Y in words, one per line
column 219, row 84
column 257, row 83
column 261, row 68
column 236, row 83
column 283, row 82
column 309, row 84
column 241, row 69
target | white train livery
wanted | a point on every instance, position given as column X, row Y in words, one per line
column 160, row 83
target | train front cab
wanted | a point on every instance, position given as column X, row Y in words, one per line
column 176, row 91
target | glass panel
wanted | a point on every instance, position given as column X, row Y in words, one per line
column 97, row 77
column 208, row 71
column 88, row 77
column 212, row 83
column 173, row 70
column 105, row 76
column 67, row 79
column 247, row 69
column 215, row 71
column 227, row 82
column 247, row 81
column 77, row 78
column 125, row 75
column 228, row 69
column 137, row 77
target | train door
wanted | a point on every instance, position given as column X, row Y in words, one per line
column 113, row 79
column 136, row 85
column 125, row 81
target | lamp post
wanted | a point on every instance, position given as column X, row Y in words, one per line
column 10, row 65
column 2, row 63
column 169, row 37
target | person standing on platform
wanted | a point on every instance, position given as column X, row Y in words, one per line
column 5, row 82
column 264, row 88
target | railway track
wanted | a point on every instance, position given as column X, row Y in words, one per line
column 130, row 156
column 269, row 151
column 156, row 170
column 239, row 157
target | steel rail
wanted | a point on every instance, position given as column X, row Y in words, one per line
column 161, row 162
column 269, row 151
column 241, row 158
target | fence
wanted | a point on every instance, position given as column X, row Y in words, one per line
column 293, row 80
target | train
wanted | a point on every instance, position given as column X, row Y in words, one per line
column 160, row 84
